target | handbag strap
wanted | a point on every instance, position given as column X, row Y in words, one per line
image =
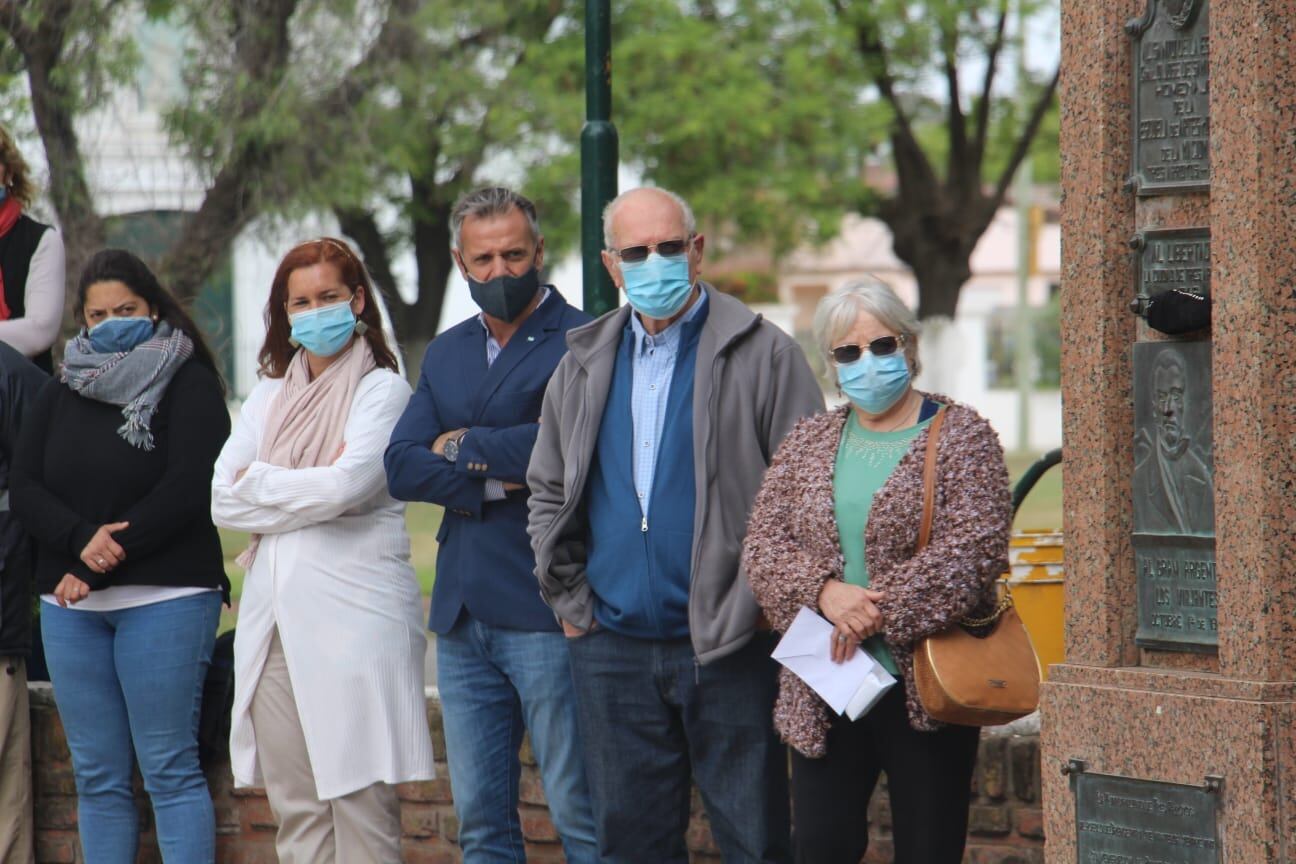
column 929, row 504
column 929, row 480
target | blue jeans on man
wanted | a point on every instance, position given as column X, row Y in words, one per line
column 652, row 718
column 496, row 684
column 128, row 685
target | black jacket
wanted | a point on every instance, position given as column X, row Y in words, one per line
column 20, row 381
column 75, row 473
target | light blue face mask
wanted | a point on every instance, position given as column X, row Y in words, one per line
column 324, row 331
column 657, row 287
column 873, row 383
column 118, row 335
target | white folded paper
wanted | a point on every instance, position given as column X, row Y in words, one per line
column 849, row 688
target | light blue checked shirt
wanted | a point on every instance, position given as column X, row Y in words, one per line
column 495, row 488
column 654, row 366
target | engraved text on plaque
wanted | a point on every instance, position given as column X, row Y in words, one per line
column 1171, row 97
column 1122, row 820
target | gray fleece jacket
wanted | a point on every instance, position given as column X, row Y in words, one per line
column 751, row 386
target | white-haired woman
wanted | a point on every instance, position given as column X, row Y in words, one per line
column 834, row 529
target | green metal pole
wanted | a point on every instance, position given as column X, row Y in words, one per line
column 598, row 155
column 1024, row 359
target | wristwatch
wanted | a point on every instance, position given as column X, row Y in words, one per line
column 451, row 451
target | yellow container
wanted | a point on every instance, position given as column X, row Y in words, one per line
column 1035, row 559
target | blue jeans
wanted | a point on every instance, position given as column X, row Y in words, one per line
column 129, row 683
column 653, row 719
column 496, row 683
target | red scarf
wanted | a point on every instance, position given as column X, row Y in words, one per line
column 10, row 210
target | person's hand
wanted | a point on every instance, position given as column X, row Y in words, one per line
column 103, row 553
column 438, row 446
column 512, row 487
column 70, row 590
column 854, row 614
column 571, row 631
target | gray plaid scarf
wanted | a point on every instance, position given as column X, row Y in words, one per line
column 135, row 379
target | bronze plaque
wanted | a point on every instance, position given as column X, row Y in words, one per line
column 1171, row 97
column 1124, row 820
column 1174, row 496
column 1172, row 258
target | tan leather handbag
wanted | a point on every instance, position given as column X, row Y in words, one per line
column 973, row 680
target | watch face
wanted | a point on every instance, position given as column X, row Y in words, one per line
column 451, row 450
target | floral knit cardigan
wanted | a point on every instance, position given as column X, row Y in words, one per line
column 792, row 547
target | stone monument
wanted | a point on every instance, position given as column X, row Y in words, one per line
column 1168, row 732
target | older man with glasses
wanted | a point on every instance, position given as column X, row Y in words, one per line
column 656, row 430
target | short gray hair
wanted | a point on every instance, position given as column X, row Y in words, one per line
column 690, row 223
column 490, row 202
column 837, row 312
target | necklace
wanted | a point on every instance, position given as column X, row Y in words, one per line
column 877, row 448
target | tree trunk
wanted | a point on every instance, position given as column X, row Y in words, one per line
column 937, row 243
column 420, row 319
column 82, row 228
column 209, row 233
column 415, row 323
column 940, row 279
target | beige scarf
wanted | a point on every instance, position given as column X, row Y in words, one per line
column 306, row 425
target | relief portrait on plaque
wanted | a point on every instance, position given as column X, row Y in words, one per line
column 1174, row 487
column 1181, row 12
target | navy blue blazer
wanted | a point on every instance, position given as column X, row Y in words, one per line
column 484, row 560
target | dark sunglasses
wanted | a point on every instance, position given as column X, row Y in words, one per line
column 666, row 249
column 880, row 347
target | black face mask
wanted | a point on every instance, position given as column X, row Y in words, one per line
column 504, row 297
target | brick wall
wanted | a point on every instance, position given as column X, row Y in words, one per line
column 1005, row 826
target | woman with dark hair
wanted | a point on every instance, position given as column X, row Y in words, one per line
column 31, row 264
column 110, row 477
column 329, row 710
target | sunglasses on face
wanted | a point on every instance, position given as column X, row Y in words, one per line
column 666, row 249
column 880, row 347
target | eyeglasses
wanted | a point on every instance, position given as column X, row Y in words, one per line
column 666, row 249
column 880, row 347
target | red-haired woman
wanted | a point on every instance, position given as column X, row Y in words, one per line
column 328, row 707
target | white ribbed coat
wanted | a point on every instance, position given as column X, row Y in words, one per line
column 333, row 574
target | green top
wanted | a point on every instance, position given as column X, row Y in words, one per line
column 865, row 460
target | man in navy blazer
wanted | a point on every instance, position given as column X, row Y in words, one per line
column 464, row 443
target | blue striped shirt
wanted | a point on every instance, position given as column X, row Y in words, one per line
column 495, row 488
column 654, row 366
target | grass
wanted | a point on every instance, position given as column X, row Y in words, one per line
column 1041, row 509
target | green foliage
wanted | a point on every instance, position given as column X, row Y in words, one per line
column 750, row 286
column 97, row 55
column 763, row 113
column 470, row 92
column 755, row 114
